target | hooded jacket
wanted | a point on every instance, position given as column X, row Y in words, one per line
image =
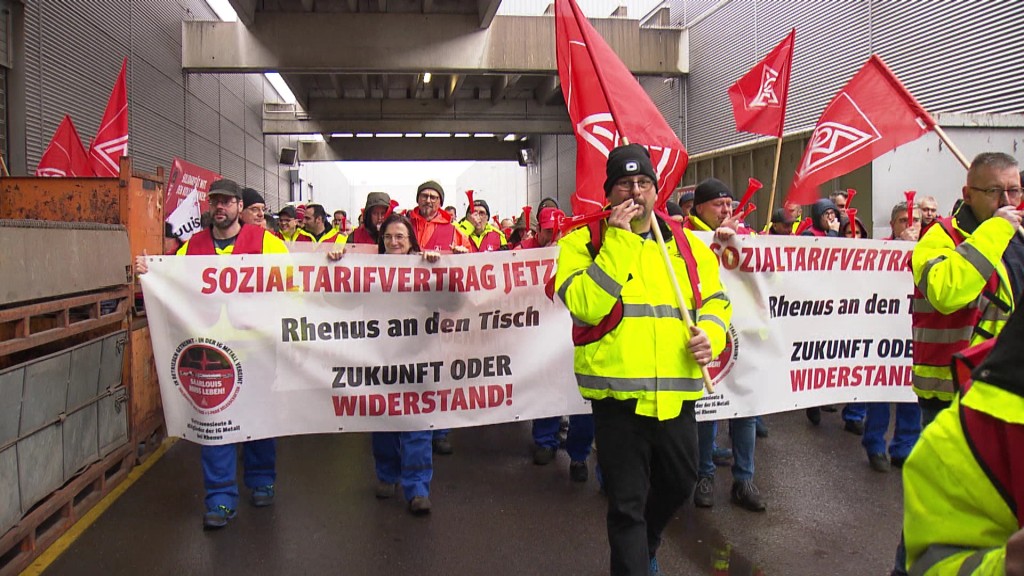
column 818, row 209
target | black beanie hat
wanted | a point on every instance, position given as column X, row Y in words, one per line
column 710, row 189
column 628, row 160
column 250, row 197
column 431, row 185
column 483, row 204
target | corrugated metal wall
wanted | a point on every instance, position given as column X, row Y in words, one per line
column 72, row 55
column 953, row 56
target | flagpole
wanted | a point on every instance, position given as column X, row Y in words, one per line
column 775, row 181
column 952, row 147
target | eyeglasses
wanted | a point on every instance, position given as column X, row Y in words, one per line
column 219, row 200
column 995, row 191
column 645, row 184
column 256, row 209
column 395, row 237
column 430, row 197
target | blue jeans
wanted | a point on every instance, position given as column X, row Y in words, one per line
column 404, row 457
column 908, row 428
column 577, row 442
column 854, row 412
column 221, row 462
column 743, row 433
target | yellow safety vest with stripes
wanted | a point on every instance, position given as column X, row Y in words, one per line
column 643, row 356
column 956, row 523
column 950, row 280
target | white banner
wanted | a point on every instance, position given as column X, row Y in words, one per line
column 258, row 346
column 251, row 347
column 815, row 321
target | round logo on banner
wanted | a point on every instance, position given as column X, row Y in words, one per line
column 207, row 373
column 720, row 366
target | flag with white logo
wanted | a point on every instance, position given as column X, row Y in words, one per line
column 185, row 220
column 759, row 97
column 65, row 156
column 111, row 141
column 873, row 114
column 605, row 105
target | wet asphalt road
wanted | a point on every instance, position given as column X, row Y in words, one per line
column 496, row 513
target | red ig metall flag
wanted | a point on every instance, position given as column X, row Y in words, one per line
column 65, row 156
column 606, row 104
column 759, row 97
column 111, row 141
column 873, row 114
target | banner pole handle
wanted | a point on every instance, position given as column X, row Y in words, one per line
column 683, row 308
column 775, row 181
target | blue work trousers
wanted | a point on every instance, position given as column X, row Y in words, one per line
column 908, row 428
column 577, row 442
column 406, row 458
column 221, row 462
column 855, row 412
column 743, row 433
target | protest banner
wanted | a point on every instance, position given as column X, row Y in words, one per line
column 815, row 321
column 257, row 346
column 270, row 345
column 182, row 180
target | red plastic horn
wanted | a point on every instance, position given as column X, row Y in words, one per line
column 851, row 215
column 569, row 224
column 752, row 187
column 747, row 212
column 469, row 194
column 850, row 193
column 391, row 208
column 344, row 223
column 497, row 222
column 526, row 215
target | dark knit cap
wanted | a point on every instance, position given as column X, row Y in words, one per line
column 710, row 189
column 431, row 185
column 628, row 160
column 288, row 211
column 225, row 187
column 483, row 204
column 250, row 197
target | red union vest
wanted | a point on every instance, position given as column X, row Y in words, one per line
column 442, row 238
column 490, row 242
column 248, row 241
column 962, row 321
column 361, row 236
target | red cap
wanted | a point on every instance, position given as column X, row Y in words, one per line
column 548, row 218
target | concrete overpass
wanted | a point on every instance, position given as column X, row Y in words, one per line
column 434, row 77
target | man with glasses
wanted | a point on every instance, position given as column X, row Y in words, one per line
column 434, row 228
column 254, row 208
column 968, row 276
column 635, row 359
column 435, row 232
column 231, row 236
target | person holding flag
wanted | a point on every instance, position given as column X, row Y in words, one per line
column 644, row 382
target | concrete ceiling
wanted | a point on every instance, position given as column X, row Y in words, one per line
column 358, row 67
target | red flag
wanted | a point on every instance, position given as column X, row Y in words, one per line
column 606, row 105
column 759, row 97
column 873, row 114
column 65, row 156
column 111, row 141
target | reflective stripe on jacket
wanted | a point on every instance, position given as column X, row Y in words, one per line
column 643, row 355
column 956, row 520
column 962, row 296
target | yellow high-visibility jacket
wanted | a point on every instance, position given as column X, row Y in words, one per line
column 956, row 522
column 950, row 279
column 643, row 356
